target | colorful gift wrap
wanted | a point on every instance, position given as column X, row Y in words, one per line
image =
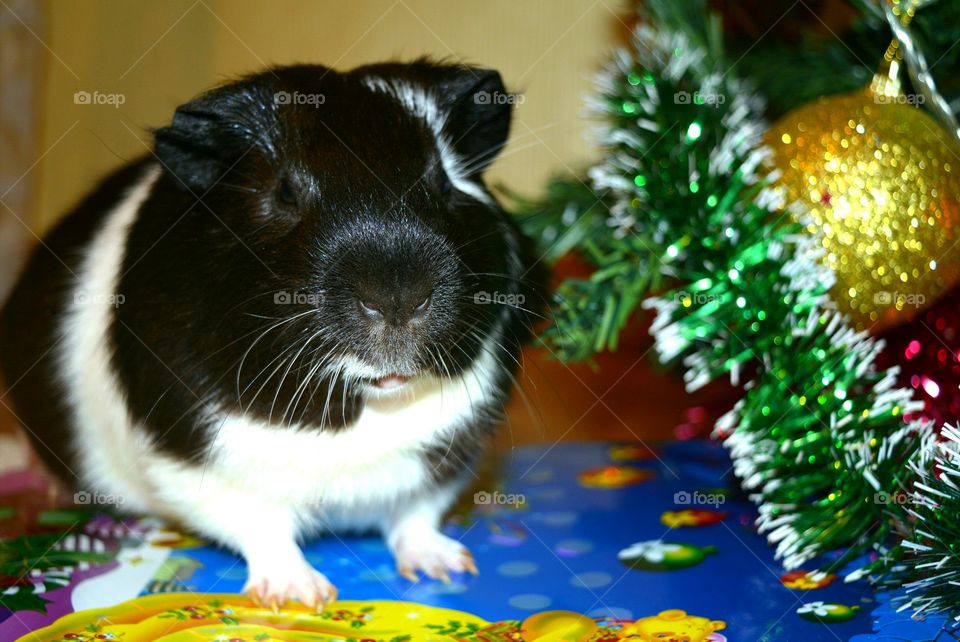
column 600, row 543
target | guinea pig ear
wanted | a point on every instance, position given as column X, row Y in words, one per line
column 204, row 140
column 478, row 111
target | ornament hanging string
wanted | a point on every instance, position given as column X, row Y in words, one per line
column 905, row 48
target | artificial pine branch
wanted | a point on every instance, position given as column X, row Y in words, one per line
column 819, row 436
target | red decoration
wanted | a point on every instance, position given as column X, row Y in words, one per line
column 927, row 350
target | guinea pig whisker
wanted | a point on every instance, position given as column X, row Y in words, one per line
column 509, row 277
column 437, row 358
column 203, row 397
column 483, row 160
column 269, row 377
column 506, row 352
column 473, row 406
column 236, row 171
column 299, row 391
column 201, row 361
column 243, row 359
column 286, row 373
column 475, row 166
column 347, row 382
column 497, row 274
column 311, row 384
column 475, row 239
column 538, row 414
column 448, row 452
column 266, row 225
column 311, row 378
column 508, row 305
column 476, row 376
column 535, row 415
column 481, row 342
column 443, row 363
column 227, row 314
column 513, row 358
column 326, row 404
column 239, row 188
column 282, row 360
column 291, row 362
column 434, row 362
column 295, row 345
column 496, row 358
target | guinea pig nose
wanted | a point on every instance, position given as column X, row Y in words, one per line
column 423, row 306
column 396, row 309
column 372, row 310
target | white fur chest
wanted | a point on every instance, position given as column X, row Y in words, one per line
column 374, row 462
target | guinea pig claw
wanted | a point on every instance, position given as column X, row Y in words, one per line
column 470, row 566
column 330, row 597
column 256, row 592
column 319, row 601
column 305, row 588
column 409, row 574
column 438, row 573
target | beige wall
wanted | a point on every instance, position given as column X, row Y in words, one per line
column 158, row 54
column 21, row 79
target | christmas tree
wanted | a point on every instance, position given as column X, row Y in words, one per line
column 779, row 206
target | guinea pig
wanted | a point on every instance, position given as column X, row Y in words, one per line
column 302, row 313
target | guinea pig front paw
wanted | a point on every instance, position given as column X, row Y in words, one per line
column 432, row 553
column 281, row 586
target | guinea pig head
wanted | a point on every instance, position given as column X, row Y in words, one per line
column 350, row 209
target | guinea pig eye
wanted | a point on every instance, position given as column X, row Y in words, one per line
column 285, row 193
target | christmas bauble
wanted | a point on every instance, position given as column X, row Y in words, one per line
column 558, row 626
column 879, row 181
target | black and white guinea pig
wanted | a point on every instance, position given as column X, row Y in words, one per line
column 301, row 313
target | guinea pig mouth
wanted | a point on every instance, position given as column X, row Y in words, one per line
column 390, row 382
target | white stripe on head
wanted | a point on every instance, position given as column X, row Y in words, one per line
column 422, row 104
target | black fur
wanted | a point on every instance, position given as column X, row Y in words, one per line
column 336, row 209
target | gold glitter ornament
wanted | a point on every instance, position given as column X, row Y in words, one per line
column 879, row 180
